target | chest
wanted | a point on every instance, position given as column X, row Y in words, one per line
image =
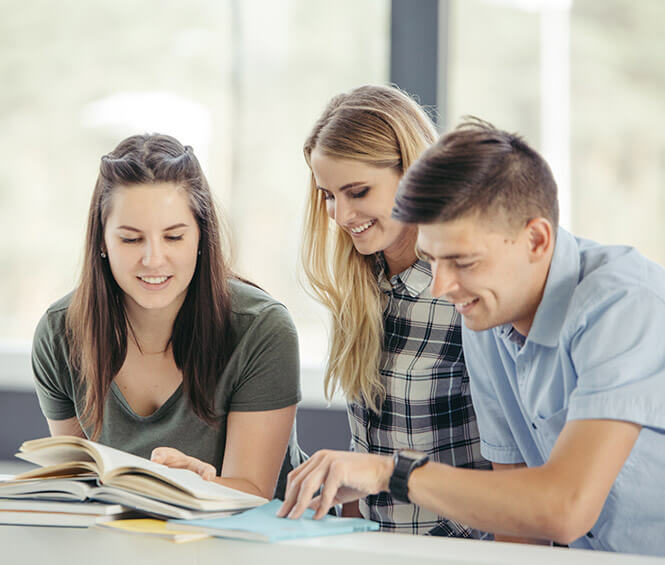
column 535, row 389
column 147, row 382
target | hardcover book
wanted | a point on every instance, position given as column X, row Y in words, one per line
column 74, row 468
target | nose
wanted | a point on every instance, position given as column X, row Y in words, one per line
column 343, row 211
column 444, row 279
column 153, row 253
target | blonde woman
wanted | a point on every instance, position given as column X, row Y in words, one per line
column 396, row 352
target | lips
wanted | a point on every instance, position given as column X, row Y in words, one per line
column 362, row 228
column 156, row 282
column 464, row 307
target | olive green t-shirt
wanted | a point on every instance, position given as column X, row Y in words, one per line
column 262, row 374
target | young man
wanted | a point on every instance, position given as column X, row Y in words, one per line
column 563, row 340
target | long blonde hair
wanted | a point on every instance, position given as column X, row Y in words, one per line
column 382, row 127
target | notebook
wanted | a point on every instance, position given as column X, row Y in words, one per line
column 262, row 524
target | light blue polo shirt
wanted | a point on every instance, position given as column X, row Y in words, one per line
column 596, row 350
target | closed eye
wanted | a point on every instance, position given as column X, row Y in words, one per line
column 360, row 194
column 130, row 239
column 466, row 265
column 173, row 237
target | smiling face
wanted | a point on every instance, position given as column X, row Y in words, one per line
column 151, row 239
column 493, row 275
column 360, row 198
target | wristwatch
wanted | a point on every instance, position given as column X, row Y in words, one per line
column 406, row 461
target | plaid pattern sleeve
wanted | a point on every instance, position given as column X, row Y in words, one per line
column 428, row 401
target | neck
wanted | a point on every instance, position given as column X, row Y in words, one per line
column 401, row 255
column 523, row 326
column 150, row 329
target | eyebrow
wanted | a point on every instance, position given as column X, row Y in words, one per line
column 452, row 256
column 346, row 186
column 173, row 227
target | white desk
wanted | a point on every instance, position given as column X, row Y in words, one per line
column 55, row 546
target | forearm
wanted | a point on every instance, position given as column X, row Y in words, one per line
column 243, row 485
column 521, row 502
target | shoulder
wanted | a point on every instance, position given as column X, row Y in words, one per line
column 249, row 300
column 252, row 307
column 53, row 322
column 616, row 277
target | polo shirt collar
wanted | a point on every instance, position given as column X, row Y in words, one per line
column 562, row 280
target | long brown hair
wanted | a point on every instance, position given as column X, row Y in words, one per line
column 382, row 127
column 96, row 318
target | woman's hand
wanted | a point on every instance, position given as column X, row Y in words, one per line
column 178, row 460
column 344, row 477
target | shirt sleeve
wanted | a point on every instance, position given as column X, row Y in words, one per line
column 497, row 443
column 270, row 366
column 618, row 354
column 49, row 372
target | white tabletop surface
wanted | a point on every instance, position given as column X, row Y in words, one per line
column 54, row 546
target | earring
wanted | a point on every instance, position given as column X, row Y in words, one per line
column 102, row 254
column 199, row 252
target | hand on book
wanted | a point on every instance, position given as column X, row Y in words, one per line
column 171, row 457
column 343, row 476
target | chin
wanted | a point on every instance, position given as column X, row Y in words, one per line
column 365, row 249
column 477, row 325
column 153, row 302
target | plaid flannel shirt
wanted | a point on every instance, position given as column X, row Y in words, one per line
column 428, row 401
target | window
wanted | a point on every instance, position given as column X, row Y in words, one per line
column 240, row 81
column 583, row 81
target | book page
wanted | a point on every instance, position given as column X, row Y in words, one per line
column 114, row 463
column 56, row 488
column 56, row 453
column 149, row 486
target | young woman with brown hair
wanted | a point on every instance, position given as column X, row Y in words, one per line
column 160, row 349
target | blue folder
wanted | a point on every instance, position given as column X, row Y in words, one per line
column 261, row 524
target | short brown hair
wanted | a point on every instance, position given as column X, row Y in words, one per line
column 477, row 168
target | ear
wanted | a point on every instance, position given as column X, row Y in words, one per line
column 540, row 239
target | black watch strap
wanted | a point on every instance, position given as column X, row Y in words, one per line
column 405, row 462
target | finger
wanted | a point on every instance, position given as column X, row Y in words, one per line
column 308, row 488
column 305, row 467
column 328, row 493
column 205, row 470
column 293, row 480
column 292, row 494
column 164, row 454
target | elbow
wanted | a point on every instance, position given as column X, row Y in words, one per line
column 570, row 517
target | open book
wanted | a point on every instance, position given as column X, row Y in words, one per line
column 69, row 463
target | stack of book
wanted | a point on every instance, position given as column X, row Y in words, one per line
column 80, row 482
column 42, row 512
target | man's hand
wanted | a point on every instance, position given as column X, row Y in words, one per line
column 344, row 477
column 178, row 460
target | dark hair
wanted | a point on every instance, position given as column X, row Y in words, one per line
column 477, row 168
column 96, row 320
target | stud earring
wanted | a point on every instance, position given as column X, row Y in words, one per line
column 102, row 254
column 199, row 252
